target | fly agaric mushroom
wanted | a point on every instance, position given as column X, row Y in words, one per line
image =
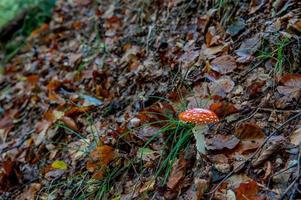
column 201, row 117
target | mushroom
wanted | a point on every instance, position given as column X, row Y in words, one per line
column 200, row 117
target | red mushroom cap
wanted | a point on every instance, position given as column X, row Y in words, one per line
column 198, row 116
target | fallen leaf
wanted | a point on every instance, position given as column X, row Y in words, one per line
column 147, row 154
column 291, row 85
column 251, row 137
column 69, row 122
column 33, row 79
column 147, row 186
column 295, row 24
column 30, row 192
column 248, row 48
column 189, row 56
column 223, row 109
column 220, row 142
column 99, row 159
column 177, row 173
column 295, row 137
column 78, row 110
column 221, row 86
column 235, row 180
column 59, row 164
column 249, row 131
column 146, row 132
column 197, row 189
column 6, row 122
column 237, row 26
column 212, row 38
column 248, row 190
column 224, row 64
column 210, row 52
column 104, row 153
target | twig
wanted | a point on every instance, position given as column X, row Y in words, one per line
column 276, row 110
column 253, row 155
column 295, row 180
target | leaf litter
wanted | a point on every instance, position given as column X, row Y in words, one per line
column 89, row 106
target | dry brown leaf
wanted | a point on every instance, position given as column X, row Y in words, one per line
column 274, row 144
column 251, row 137
column 33, row 79
column 30, row 192
column 197, row 189
column 99, row 159
column 6, row 122
column 223, row 109
column 248, row 48
column 295, row 137
column 224, row 64
column 69, row 122
column 212, row 38
column 221, row 86
column 248, row 190
column 220, row 142
column 177, row 173
column 291, row 84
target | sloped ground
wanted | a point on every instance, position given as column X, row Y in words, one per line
column 90, row 104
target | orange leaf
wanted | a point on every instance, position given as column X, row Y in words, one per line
column 39, row 30
column 70, row 123
column 33, row 79
column 223, row 109
column 247, row 190
column 105, row 154
column 98, row 175
column 53, row 85
column 78, row 110
column 291, row 80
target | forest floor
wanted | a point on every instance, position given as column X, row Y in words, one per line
column 90, row 102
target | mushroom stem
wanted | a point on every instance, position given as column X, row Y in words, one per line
column 199, row 135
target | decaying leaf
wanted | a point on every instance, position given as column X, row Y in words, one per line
column 291, row 85
column 251, row 137
column 223, row 109
column 197, row 189
column 221, row 86
column 220, row 142
column 224, row 64
column 248, row 190
column 148, row 186
column 99, row 159
column 177, row 173
column 237, row 26
column 69, row 122
column 30, row 192
column 147, row 154
column 248, row 48
column 295, row 137
column 275, row 143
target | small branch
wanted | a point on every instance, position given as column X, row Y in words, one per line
column 276, row 110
